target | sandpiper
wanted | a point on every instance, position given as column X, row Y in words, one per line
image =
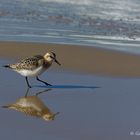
column 32, row 106
column 34, row 66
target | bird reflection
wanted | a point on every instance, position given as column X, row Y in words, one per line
column 33, row 106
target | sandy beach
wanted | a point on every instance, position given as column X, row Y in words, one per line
column 95, row 93
column 79, row 58
column 110, row 111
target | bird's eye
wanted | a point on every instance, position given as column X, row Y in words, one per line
column 52, row 57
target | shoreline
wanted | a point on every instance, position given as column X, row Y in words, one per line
column 82, row 59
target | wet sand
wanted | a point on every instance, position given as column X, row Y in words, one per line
column 109, row 112
column 81, row 59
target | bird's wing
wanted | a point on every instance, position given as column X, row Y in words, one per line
column 29, row 63
column 27, row 110
column 31, row 112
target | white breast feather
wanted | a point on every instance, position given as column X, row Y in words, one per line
column 32, row 73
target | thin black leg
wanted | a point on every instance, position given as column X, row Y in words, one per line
column 27, row 92
column 44, row 91
column 43, row 81
column 27, row 82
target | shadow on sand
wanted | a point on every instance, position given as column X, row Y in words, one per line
column 66, row 86
column 32, row 105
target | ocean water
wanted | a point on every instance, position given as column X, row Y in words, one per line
column 100, row 23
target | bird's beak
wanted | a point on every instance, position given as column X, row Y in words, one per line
column 57, row 62
column 56, row 113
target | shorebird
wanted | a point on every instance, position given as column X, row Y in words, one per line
column 32, row 106
column 34, row 66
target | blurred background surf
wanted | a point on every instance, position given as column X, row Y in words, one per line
column 100, row 23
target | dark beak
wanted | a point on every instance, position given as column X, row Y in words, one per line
column 57, row 62
column 56, row 113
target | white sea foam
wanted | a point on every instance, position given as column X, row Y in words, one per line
column 112, row 24
column 81, row 2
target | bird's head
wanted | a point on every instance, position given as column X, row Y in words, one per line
column 50, row 116
column 51, row 57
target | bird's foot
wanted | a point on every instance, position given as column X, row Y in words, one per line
column 29, row 86
column 47, row 84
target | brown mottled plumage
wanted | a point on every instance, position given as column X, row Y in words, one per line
column 30, row 63
column 34, row 66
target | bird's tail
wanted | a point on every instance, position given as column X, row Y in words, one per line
column 7, row 66
column 5, row 106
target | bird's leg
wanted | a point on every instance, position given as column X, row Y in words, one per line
column 44, row 91
column 42, row 81
column 27, row 82
column 27, row 92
